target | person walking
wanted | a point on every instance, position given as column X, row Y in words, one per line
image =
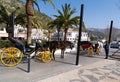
column 106, row 47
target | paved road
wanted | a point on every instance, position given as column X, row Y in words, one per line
column 41, row 72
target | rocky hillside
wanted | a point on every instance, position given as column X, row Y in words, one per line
column 101, row 33
column 11, row 5
column 96, row 33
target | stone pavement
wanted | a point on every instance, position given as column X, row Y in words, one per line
column 90, row 69
column 116, row 54
column 101, row 71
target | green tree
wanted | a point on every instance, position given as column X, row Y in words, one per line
column 66, row 18
column 55, row 24
column 51, row 28
column 36, row 23
column 6, row 18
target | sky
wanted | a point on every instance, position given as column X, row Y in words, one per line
column 96, row 14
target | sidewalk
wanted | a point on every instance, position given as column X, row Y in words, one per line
column 116, row 54
column 101, row 71
column 90, row 69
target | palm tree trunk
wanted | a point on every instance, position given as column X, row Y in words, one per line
column 65, row 36
column 30, row 13
column 29, row 7
column 29, row 29
column 58, row 29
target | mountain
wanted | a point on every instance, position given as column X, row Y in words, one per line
column 101, row 33
column 96, row 33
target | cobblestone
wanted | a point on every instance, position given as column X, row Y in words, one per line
column 97, row 72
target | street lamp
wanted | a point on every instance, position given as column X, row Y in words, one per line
column 111, row 26
column 13, row 14
column 80, row 31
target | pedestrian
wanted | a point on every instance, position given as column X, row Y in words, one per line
column 106, row 47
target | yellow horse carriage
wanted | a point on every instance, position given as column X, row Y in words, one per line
column 12, row 56
column 91, row 48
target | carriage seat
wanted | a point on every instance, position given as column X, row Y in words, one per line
column 20, row 46
column 17, row 43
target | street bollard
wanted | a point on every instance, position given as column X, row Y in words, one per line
column 28, row 68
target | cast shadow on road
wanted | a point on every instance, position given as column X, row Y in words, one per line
column 25, row 70
column 64, row 62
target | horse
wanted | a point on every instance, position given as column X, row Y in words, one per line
column 54, row 45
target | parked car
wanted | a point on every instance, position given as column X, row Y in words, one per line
column 118, row 44
column 114, row 45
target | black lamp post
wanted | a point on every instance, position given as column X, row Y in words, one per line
column 80, row 33
column 13, row 14
column 111, row 26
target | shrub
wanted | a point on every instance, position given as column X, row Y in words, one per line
column 5, row 43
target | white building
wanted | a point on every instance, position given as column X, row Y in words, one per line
column 38, row 34
column 3, row 33
column 72, row 35
column 118, row 38
column 20, row 32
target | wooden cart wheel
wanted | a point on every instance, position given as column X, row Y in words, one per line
column 46, row 56
column 11, row 56
column 0, row 54
column 38, row 55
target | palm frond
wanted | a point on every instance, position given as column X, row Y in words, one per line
column 36, row 3
column 36, row 22
column 20, row 19
column 50, row 1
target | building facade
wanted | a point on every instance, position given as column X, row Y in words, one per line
column 20, row 32
column 72, row 35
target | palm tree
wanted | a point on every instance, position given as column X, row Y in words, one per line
column 56, row 24
column 50, row 28
column 6, row 18
column 30, row 13
column 66, row 19
column 36, row 23
column 49, row 33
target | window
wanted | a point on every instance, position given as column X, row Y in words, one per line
column 69, row 34
column 67, row 38
column 20, row 30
